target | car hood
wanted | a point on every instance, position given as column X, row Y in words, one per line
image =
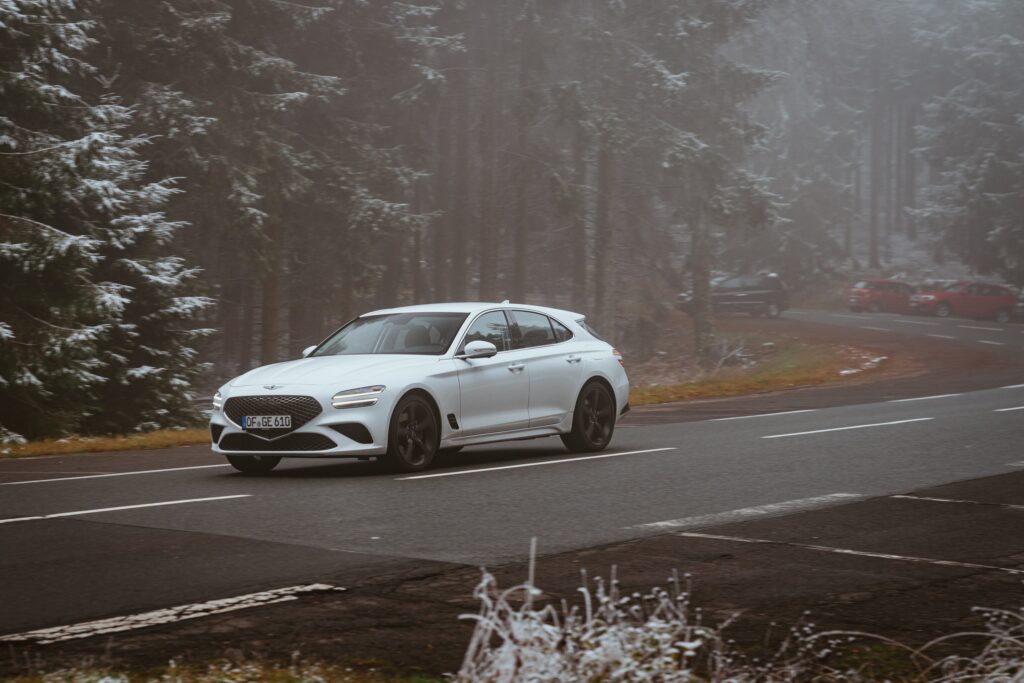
column 331, row 370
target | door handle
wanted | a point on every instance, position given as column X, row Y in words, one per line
column 573, row 359
column 516, row 367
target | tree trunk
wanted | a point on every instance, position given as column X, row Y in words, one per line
column 460, row 191
column 700, row 268
column 874, row 187
column 246, row 332
column 910, row 173
column 442, row 202
column 270, row 312
column 578, row 229
column 603, row 230
column 487, row 259
column 520, row 179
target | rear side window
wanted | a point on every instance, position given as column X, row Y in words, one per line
column 582, row 322
column 534, row 329
column 562, row 332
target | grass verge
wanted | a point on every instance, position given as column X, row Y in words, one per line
column 789, row 364
column 164, row 438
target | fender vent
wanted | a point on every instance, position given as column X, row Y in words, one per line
column 452, row 421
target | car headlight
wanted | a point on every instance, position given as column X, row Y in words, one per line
column 218, row 401
column 362, row 397
column 925, row 297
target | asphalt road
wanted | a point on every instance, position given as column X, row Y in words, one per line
column 119, row 538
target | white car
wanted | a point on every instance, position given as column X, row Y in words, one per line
column 403, row 384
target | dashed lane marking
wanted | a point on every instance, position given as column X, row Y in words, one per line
column 978, row 327
column 1007, row 410
column 993, row 343
column 941, row 336
column 1014, row 386
column 915, row 322
column 860, row 553
column 483, row 470
column 165, row 616
column 12, row 520
column 111, row 474
column 876, row 329
column 744, row 417
column 840, row 429
column 841, row 315
column 922, row 398
column 929, row 499
column 760, row 511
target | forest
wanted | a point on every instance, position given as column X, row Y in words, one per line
column 190, row 188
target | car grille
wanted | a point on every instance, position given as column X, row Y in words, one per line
column 292, row 442
column 301, row 408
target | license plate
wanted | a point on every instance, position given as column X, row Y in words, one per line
column 267, row 422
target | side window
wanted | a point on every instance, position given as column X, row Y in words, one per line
column 491, row 327
column 562, row 332
column 534, row 329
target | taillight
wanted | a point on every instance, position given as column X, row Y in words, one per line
column 618, row 357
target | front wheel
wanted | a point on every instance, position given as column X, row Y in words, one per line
column 593, row 421
column 253, row 464
column 1002, row 316
column 413, row 436
column 943, row 310
column 874, row 307
column 773, row 311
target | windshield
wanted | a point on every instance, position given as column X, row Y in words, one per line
column 423, row 334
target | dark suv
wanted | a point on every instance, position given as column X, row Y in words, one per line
column 762, row 294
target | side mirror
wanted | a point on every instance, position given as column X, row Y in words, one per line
column 308, row 350
column 478, row 349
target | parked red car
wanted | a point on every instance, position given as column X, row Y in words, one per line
column 968, row 300
column 877, row 295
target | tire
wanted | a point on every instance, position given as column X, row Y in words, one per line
column 873, row 307
column 593, row 420
column 772, row 311
column 856, row 309
column 254, row 464
column 413, row 435
column 1002, row 316
column 943, row 310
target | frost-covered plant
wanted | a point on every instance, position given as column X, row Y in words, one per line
column 660, row 636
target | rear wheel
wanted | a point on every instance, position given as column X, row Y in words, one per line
column 943, row 310
column 413, row 435
column 1002, row 316
column 253, row 464
column 772, row 311
column 593, row 421
column 874, row 307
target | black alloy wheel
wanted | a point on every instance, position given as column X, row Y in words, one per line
column 874, row 307
column 943, row 310
column 593, row 421
column 413, row 436
column 1002, row 316
column 254, row 464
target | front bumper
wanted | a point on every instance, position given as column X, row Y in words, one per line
column 923, row 307
column 330, row 434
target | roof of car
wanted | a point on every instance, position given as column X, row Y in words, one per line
column 471, row 307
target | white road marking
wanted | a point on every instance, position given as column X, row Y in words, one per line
column 744, row 417
column 532, row 464
column 1014, row 386
column 76, row 513
column 112, row 474
column 922, row 398
column 877, row 329
column 976, row 327
column 993, row 343
column 169, row 615
column 941, row 336
column 839, row 429
column 914, row 322
column 841, row 315
column 960, row 502
column 1016, row 464
column 1006, row 410
column 861, row 553
column 770, row 510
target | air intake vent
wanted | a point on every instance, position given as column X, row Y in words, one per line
column 452, row 421
column 292, row 442
column 216, row 431
column 355, row 431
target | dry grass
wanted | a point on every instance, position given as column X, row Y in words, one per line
column 227, row 672
column 788, row 364
column 164, row 438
